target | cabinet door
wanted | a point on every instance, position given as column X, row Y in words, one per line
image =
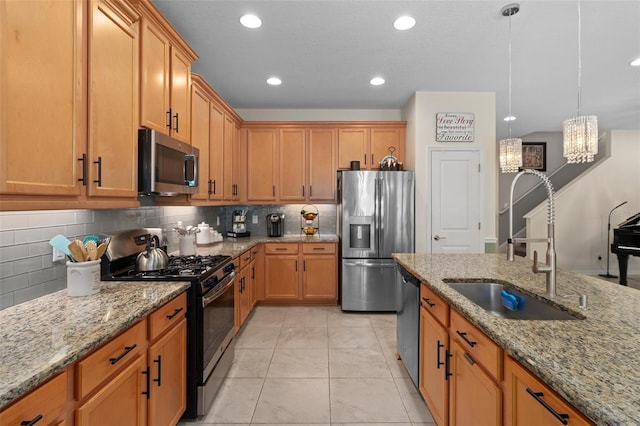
column 180, row 95
column 113, row 113
column 242, row 297
column 291, row 160
column 230, row 188
column 474, row 398
column 382, row 140
column 168, row 377
column 258, row 256
column 524, row 398
column 41, row 97
column 319, row 277
column 49, row 401
column 251, row 284
column 155, row 60
column 352, row 146
column 120, row 401
column 281, row 277
column 321, row 165
column 434, row 382
column 216, row 152
column 261, row 164
column 200, row 134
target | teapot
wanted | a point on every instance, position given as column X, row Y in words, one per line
column 153, row 258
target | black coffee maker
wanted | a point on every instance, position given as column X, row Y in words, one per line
column 275, row 224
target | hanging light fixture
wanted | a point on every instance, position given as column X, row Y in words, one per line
column 510, row 148
column 580, row 133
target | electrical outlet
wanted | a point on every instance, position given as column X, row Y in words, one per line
column 57, row 255
column 254, row 219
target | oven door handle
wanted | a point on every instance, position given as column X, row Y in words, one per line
column 224, row 286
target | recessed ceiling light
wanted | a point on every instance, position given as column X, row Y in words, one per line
column 404, row 23
column 510, row 118
column 377, row 81
column 250, row 21
column 274, row 81
column 635, row 62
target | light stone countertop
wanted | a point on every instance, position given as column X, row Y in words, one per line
column 593, row 363
column 234, row 247
column 39, row 338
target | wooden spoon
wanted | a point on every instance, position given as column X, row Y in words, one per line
column 100, row 250
column 92, row 250
column 78, row 251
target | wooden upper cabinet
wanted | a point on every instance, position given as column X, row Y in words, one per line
column 353, row 146
column 41, row 99
column 231, row 155
column 292, row 165
column 261, row 164
column 386, row 142
column 113, row 100
column 200, row 138
column 180, row 95
column 216, row 152
column 321, row 165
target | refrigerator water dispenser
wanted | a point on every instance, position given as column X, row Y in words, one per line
column 360, row 236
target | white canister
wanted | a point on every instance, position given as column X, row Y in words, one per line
column 83, row 278
column 187, row 245
column 203, row 237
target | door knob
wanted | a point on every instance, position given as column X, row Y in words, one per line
column 438, row 238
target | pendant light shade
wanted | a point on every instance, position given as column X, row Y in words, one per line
column 510, row 148
column 580, row 133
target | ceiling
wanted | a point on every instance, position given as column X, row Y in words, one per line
column 326, row 51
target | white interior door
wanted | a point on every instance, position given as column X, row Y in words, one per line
column 456, row 201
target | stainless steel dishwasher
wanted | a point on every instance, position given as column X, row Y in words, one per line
column 408, row 322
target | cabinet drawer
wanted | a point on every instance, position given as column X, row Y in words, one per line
column 245, row 259
column 318, row 248
column 165, row 316
column 434, row 305
column 281, row 248
column 477, row 344
column 48, row 400
column 110, row 358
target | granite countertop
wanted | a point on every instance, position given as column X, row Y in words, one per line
column 593, row 363
column 234, row 247
column 39, row 338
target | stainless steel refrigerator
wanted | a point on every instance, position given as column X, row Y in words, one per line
column 375, row 219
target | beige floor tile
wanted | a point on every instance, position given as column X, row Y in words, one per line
column 387, row 337
column 353, row 337
column 258, row 338
column 366, row 401
column 235, row 402
column 293, row 401
column 382, row 320
column 357, row 363
column 299, row 363
column 413, row 403
column 342, row 319
column 306, row 318
column 303, row 338
column 250, row 363
column 267, row 318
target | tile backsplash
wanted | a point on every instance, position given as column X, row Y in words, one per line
column 26, row 267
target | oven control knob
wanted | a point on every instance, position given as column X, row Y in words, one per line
column 230, row 267
column 211, row 282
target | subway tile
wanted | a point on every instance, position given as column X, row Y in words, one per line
column 24, row 266
column 51, row 218
column 84, row 216
column 40, row 248
column 76, row 231
column 14, row 283
column 51, row 231
column 28, row 235
column 6, row 269
column 7, row 238
column 14, row 252
column 41, row 276
column 13, row 221
column 6, row 300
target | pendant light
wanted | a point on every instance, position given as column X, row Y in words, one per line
column 580, row 133
column 510, row 148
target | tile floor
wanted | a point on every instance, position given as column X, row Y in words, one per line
column 320, row 366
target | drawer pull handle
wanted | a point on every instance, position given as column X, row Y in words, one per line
column 35, row 420
column 562, row 418
column 447, row 365
column 428, row 302
column 159, row 362
column 469, row 359
column 438, row 362
column 319, row 248
column 99, row 163
column 281, row 248
column 176, row 312
column 463, row 334
column 83, row 179
column 147, row 373
column 127, row 349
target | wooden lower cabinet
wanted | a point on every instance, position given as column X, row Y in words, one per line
column 528, row 401
column 242, row 296
column 318, row 271
column 281, row 277
column 434, row 350
column 48, row 402
column 474, row 398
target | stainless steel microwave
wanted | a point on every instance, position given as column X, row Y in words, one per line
column 166, row 166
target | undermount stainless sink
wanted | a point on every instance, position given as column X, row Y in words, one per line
column 488, row 295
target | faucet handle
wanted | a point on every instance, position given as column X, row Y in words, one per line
column 539, row 269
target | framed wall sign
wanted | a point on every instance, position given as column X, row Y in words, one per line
column 454, row 127
column 534, row 156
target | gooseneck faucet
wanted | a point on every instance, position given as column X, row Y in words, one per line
column 549, row 269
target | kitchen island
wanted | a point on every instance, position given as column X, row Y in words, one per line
column 41, row 337
column 592, row 362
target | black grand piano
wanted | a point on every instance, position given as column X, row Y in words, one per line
column 626, row 242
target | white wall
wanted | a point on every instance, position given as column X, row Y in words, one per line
column 319, row 114
column 420, row 114
column 582, row 209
